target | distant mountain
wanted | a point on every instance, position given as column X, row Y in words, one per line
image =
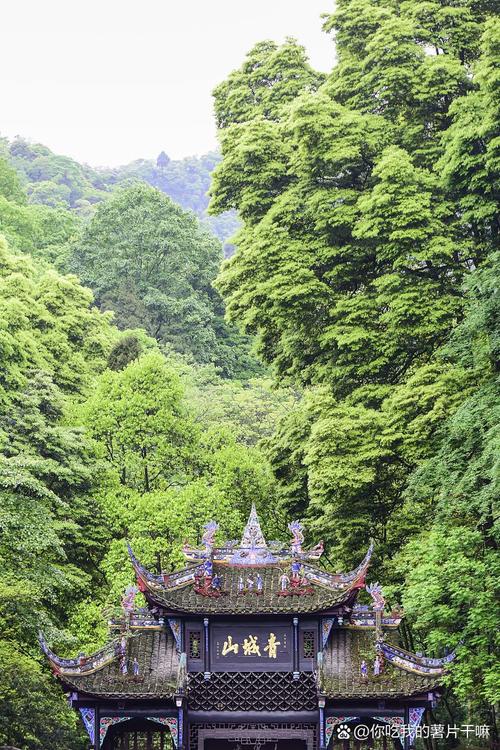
column 59, row 181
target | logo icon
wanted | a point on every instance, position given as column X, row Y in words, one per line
column 343, row 732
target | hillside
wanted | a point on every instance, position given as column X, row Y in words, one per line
column 61, row 182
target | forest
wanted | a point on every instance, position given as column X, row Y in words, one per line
column 341, row 366
column 48, row 179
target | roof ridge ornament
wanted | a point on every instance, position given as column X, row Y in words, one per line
column 375, row 591
column 252, row 537
column 208, row 537
column 253, row 548
column 128, row 598
column 297, row 531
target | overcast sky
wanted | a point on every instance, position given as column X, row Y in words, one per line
column 108, row 81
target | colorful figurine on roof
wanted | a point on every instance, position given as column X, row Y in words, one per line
column 375, row 591
column 207, row 539
column 128, row 599
column 296, row 570
column 209, row 536
column 284, row 583
column 296, row 529
column 270, row 568
column 297, row 584
column 253, row 549
column 206, row 583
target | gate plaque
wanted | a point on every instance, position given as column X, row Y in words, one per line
column 251, row 648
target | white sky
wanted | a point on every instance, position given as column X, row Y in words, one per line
column 108, row 81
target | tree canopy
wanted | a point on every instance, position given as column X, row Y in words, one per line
column 366, row 270
column 370, row 221
column 99, row 443
column 48, row 179
column 153, row 265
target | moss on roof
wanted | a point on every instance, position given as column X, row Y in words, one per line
column 342, row 670
column 341, row 674
column 158, row 668
column 185, row 598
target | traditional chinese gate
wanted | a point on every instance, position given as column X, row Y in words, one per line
column 251, row 646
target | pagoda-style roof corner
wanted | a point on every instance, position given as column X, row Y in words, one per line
column 141, row 662
column 80, row 664
column 352, row 668
column 362, row 568
column 51, row 656
column 142, row 573
column 415, row 663
column 355, row 579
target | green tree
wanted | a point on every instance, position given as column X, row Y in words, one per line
column 250, row 409
column 138, row 418
column 271, row 76
column 41, row 231
column 451, row 592
column 10, row 184
column 152, row 264
column 407, row 61
column 470, row 163
column 126, row 350
column 55, row 181
column 168, row 469
column 52, row 344
column 50, row 193
column 357, row 238
column 34, row 715
column 157, row 525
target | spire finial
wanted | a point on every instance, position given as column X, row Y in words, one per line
column 252, row 535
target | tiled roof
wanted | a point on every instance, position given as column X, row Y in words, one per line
column 186, row 599
column 158, row 670
column 248, row 578
column 341, row 674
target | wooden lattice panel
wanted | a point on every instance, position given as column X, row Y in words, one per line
column 141, row 740
column 252, row 691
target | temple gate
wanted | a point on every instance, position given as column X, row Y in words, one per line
column 252, row 645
